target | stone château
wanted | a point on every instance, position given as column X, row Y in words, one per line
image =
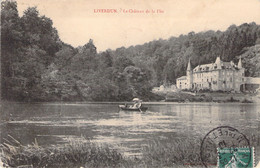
column 218, row 76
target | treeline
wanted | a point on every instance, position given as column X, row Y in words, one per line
column 37, row 66
column 167, row 59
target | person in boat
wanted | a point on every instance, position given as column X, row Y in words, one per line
column 136, row 105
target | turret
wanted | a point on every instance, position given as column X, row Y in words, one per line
column 239, row 65
column 241, row 73
column 189, row 66
column 189, row 75
column 218, row 62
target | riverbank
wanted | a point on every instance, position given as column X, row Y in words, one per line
column 166, row 96
column 83, row 153
column 220, row 97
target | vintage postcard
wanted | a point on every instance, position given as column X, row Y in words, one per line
column 130, row 83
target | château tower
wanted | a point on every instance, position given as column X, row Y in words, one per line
column 241, row 80
column 239, row 65
column 218, row 63
column 189, row 75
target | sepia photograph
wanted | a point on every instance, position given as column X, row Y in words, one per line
column 130, row 84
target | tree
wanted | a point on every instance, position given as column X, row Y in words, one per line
column 106, row 60
column 251, row 61
column 28, row 47
column 121, row 62
column 10, row 43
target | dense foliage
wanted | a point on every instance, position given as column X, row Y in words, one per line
column 29, row 45
column 37, row 66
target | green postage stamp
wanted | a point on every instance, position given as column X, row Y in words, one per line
column 236, row 157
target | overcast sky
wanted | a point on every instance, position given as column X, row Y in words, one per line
column 77, row 22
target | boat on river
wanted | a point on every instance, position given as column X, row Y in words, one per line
column 123, row 107
column 137, row 106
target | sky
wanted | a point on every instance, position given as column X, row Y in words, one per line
column 77, row 21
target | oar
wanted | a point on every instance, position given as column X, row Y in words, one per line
column 140, row 109
column 140, row 105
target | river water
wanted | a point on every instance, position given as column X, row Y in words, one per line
column 51, row 123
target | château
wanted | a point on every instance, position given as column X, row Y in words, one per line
column 218, row 76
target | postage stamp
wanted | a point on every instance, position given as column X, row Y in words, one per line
column 224, row 138
column 236, row 157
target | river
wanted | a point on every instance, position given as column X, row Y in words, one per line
column 55, row 123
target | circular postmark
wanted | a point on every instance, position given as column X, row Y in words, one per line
column 223, row 137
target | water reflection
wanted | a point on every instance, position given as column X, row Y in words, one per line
column 128, row 131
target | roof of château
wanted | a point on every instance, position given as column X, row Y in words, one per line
column 205, row 67
column 214, row 66
column 182, row 77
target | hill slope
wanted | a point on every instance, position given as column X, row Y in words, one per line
column 37, row 66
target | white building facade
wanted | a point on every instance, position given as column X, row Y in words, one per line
column 218, row 76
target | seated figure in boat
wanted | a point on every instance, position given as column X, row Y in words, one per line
column 137, row 105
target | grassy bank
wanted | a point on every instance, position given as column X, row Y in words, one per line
column 220, row 97
column 81, row 153
column 181, row 152
column 76, row 153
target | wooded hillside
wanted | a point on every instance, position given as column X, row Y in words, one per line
column 37, row 66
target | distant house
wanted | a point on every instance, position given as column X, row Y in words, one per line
column 163, row 88
column 224, row 76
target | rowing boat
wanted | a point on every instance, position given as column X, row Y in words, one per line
column 129, row 108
